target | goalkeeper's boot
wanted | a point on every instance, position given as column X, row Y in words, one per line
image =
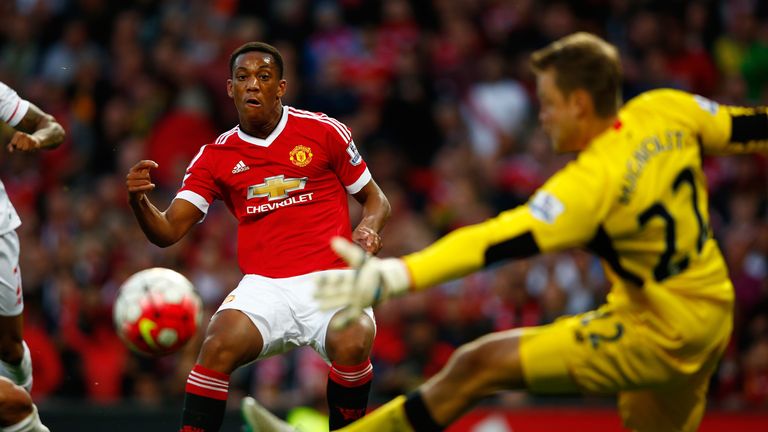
column 259, row 419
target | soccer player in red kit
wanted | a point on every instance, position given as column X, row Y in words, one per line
column 284, row 174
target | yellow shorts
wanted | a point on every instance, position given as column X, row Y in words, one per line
column 656, row 352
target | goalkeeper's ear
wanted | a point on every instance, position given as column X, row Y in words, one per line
column 348, row 251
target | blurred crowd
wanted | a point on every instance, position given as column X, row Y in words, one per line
column 442, row 105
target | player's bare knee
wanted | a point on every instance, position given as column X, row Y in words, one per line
column 231, row 341
column 465, row 363
column 482, row 367
column 349, row 351
column 15, row 405
column 219, row 353
column 352, row 344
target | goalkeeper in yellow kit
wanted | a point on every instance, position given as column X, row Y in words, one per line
column 636, row 197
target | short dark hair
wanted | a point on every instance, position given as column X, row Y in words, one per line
column 259, row 47
column 584, row 61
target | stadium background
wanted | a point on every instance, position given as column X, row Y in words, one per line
column 441, row 104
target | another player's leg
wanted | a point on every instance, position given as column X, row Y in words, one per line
column 349, row 380
column 15, row 359
column 17, row 412
column 231, row 340
column 476, row 370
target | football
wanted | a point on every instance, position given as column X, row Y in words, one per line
column 157, row 311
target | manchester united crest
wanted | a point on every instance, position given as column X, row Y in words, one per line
column 301, row 155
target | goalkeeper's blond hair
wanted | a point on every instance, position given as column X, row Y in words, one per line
column 584, row 61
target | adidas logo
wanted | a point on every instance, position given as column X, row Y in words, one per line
column 240, row 167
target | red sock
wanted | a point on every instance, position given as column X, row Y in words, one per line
column 348, row 388
column 205, row 400
column 208, row 383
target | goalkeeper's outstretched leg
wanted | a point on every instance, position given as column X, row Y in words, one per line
column 476, row 370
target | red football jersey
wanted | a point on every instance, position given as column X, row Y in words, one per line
column 288, row 191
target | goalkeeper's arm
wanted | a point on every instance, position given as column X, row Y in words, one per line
column 471, row 248
column 459, row 253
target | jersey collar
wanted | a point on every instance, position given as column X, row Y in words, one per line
column 266, row 142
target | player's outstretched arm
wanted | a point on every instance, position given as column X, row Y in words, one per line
column 461, row 252
column 161, row 228
column 37, row 130
column 376, row 211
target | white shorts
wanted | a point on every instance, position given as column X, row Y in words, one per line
column 284, row 311
column 11, row 300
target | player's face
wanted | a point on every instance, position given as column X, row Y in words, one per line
column 255, row 87
column 557, row 113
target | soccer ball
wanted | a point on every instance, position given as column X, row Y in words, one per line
column 157, row 311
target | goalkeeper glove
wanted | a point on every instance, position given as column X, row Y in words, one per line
column 373, row 281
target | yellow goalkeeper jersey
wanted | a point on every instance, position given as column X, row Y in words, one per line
column 636, row 196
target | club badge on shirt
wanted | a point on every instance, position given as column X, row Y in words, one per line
column 301, row 155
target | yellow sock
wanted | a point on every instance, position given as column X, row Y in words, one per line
column 388, row 418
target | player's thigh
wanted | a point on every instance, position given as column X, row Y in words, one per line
column 603, row 351
column 231, row 340
column 287, row 316
column 263, row 316
column 483, row 367
column 314, row 324
column 281, row 309
column 543, row 353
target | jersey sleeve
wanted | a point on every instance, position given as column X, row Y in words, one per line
column 199, row 185
column 12, row 107
column 723, row 129
column 346, row 160
column 565, row 212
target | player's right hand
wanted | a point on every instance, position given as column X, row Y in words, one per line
column 24, row 142
column 373, row 281
column 138, row 180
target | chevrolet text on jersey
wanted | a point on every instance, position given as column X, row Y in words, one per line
column 303, row 198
